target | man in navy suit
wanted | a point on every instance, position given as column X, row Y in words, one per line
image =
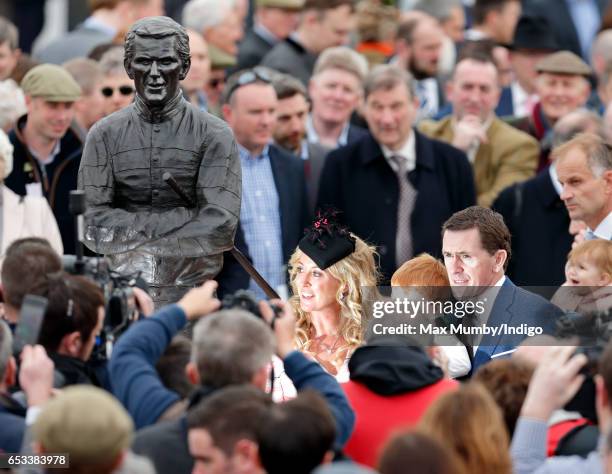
column 400, row 210
column 476, row 250
column 274, row 210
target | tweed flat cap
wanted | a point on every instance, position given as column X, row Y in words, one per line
column 52, row 83
column 85, row 422
column 564, row 62
column 283, row 4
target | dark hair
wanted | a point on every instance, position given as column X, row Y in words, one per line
column 507, row 381
column 421, row 452
column 295, row 435
column 494, row 234
column 287, row 86
column 171, row 366
column 26, row 262
column 73, row 303
column 158, row 27
column 230, row 414
column 324, row 5
column 483, row 7
column 406, row 29
column 478, row 50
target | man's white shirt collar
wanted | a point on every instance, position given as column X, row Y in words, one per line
column 407, row 151
column 604, row 229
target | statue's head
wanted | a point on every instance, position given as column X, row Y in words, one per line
column 157, row 58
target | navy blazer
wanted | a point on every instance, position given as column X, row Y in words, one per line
column 288, row 172
column 560, row 21
column 358, row 181
column 539, row 224
column 355, row 133
column 515, row 306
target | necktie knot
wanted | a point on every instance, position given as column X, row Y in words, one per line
column 401, row 163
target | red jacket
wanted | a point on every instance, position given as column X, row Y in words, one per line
column 378, row 417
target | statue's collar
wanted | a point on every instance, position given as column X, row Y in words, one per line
column 157, row 115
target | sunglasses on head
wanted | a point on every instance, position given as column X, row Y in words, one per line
column 123, row 90
column 248, row 77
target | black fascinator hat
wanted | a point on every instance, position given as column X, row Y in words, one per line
column 326, row 242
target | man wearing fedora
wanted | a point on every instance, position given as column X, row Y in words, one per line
column 532, row 42
column 562, row 85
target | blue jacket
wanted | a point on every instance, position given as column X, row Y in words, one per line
column 12, row 421
column 514, row 307
column 136, row 384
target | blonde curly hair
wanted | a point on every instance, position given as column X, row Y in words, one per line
column 354, row 271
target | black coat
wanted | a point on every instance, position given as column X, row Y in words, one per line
column 252, row 50
column 61, row 177
column 358, row 181
column 539, row 225
column 560, row 21
column 288, row 172
column 291, row 57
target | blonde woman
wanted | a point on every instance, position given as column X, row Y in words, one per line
column 326, row 272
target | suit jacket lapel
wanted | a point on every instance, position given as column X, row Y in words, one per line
column 501, row 312
column 279, row 172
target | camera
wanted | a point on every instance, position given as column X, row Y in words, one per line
column 119, row 301
column 593, row 330
column 245, row 299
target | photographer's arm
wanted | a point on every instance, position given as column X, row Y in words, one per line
column 554, row 382
column 134, row 378
column 307, row 374
column 205, row 230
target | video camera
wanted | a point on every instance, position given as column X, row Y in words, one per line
column 120, row 303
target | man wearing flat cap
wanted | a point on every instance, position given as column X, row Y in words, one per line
column 174, row 236
column 92, row 428
column 274, row 21
column 562, row 86
column 47, row 153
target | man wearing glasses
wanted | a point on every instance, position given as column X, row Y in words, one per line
column 274, row 208
column 134, row 216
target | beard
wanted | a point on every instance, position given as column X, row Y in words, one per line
column 293, row 143
column 417, row 72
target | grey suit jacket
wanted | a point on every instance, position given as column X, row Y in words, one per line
column 74, row 44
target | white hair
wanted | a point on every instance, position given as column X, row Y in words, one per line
column 6, row 154
column 200, row 15
column 12, row 104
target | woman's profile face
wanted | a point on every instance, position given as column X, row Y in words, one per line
column 317, row 289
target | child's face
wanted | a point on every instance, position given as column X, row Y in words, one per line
column 583, row 272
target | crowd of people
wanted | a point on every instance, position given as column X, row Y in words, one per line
column 220, row 210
